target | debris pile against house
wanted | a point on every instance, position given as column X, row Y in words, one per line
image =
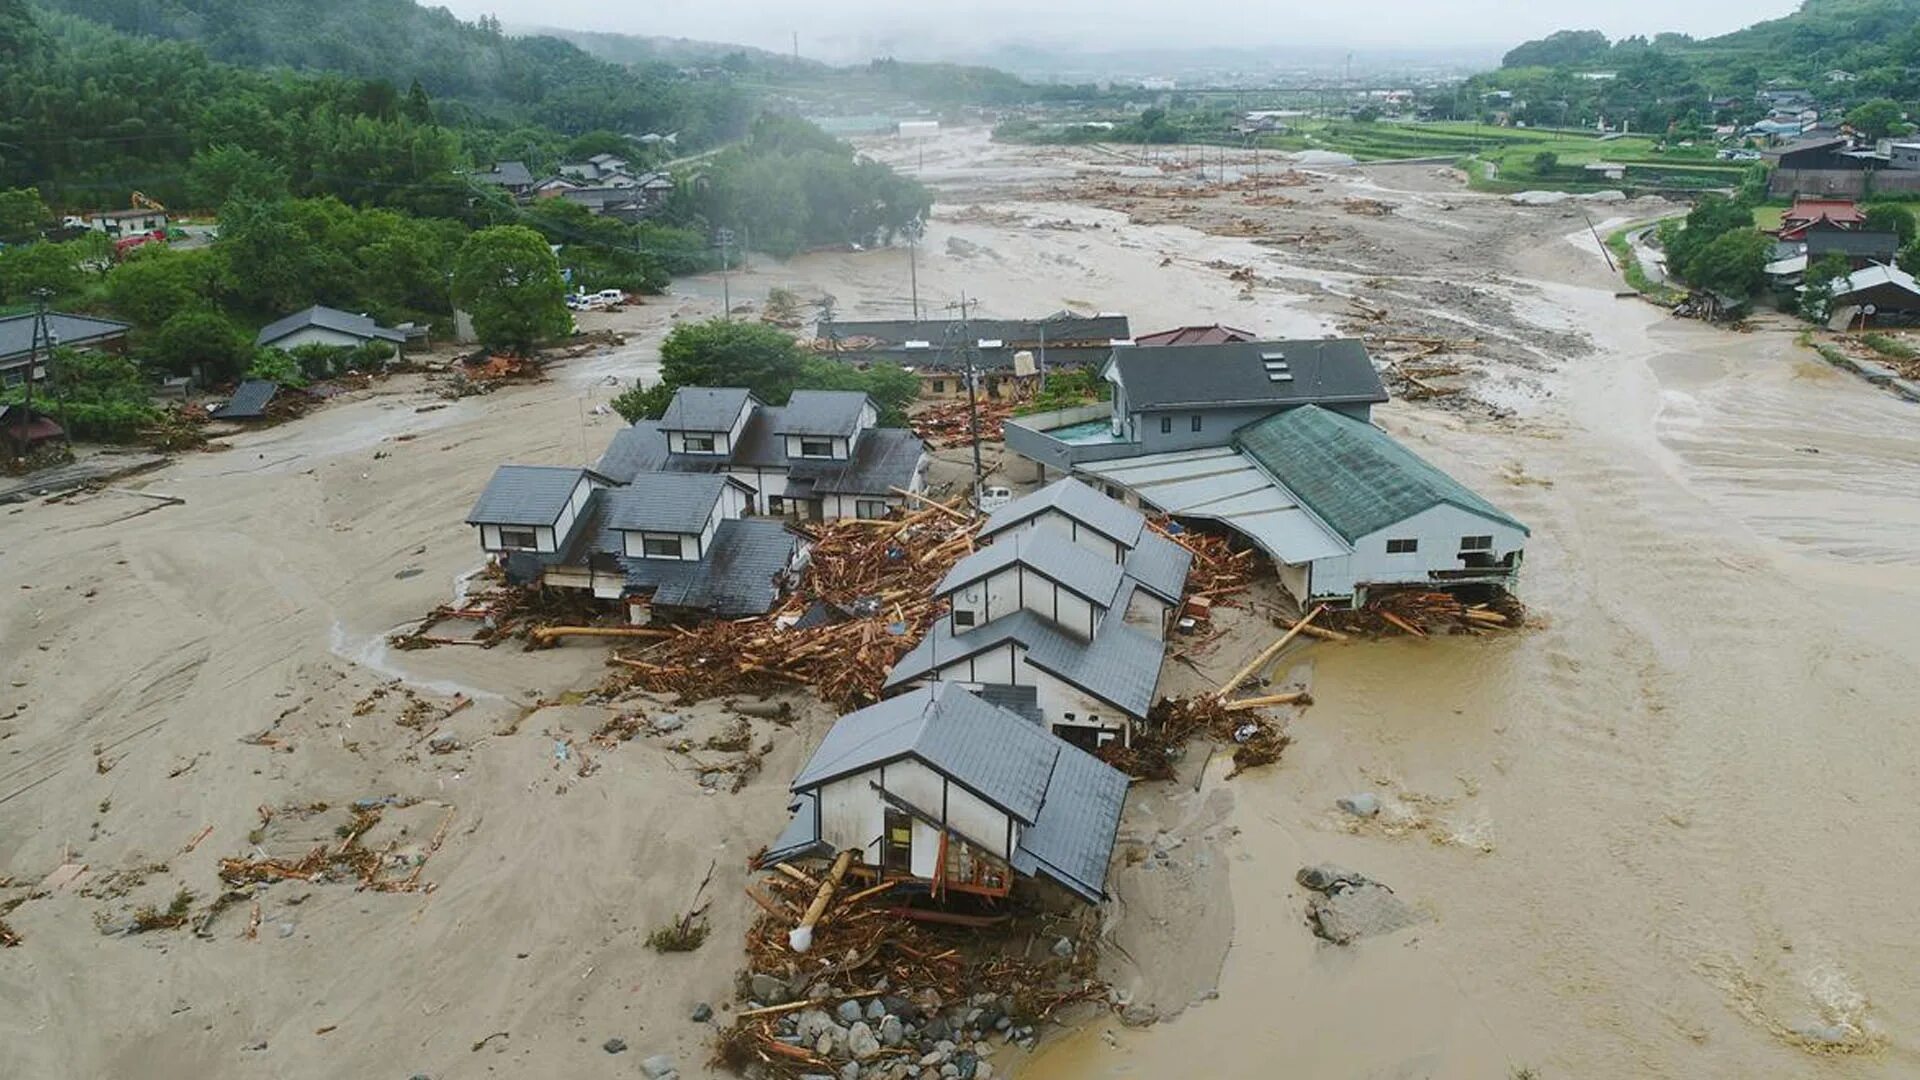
column 863, row 600
column 1256, row 739
column 994, row 358
column 1421, row 612
column 880, row 993
column 950, row 423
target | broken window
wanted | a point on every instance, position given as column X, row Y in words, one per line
column 896, row 850
column 518, row 538
column 1476, row 543
column 1402, row 547
column 661, row 547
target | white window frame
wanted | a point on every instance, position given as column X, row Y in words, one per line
column 531, row 534
column 1404, row 545
column 647, row 542
column 870, row 509
column 1476, row 543
column 826, row 442
column 706, row 437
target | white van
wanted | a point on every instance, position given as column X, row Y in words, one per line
column 611, row 296
column 993, row 498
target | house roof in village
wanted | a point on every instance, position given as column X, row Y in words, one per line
column 506, row 174
column 1214, row 334
column 1840, row 211
column 882, row 458
column 667, row 502
column 525, row 495
column 1004, row 758
column 1062, row 327
column 249, row 401
column 1072, row 842
column 1045, row 552
column 1120, row 666
column 702, row 408
column 1353, row 476
column 16, row 332
column 736, row 578
column 1108, row 517
column 1852, row 242
column 1874, row 277
column 344, row 322
column 1334, row 370
column 1159, row 565
column 822, row 412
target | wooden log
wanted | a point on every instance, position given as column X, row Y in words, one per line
column 1403, row 624
column 1325, row 634
column 799, row 875
column 546, row 635
column 767, row 903
column 1266, row 655
column 1290, row 698
column 800, row 939
column 942, row 507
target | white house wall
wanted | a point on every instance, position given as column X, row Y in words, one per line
column 838, row 442
column 989, row 598
column 636, row 546
column 1066, row 609
column 1057, row 699
column 852, row 814
column 1438, row 530
column 316, row 335
column 1002, row 665
column 1055, row 522
column 1147, row 613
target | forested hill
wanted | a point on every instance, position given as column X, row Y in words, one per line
column 1847, row 51
column 536, row 80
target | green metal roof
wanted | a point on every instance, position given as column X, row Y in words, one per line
column 1352, row 475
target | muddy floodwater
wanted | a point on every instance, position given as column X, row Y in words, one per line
column 1669, row 829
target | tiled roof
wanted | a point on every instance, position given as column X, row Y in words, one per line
column 525, row 495
column 1352, row 475
column 664, row 502
column 1045, row 552
column 822, row 412
column 738, row 577
column 998, row 755
column 1072, row 842
column 343, row 322
column 1108, row 517
column 249, row 400
column 1120, row 666
column 1245, row 373
column 1160, row 565
column 700, row 408
column 16, row 332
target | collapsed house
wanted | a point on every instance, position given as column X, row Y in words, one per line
column 1009, row 356
column 663, row 546
column 1061, row 617
column 821, row 456
column 942, row 788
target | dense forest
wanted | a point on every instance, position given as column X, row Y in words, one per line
column 1848, row 52
column 338, row 172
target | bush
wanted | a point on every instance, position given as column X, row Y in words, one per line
column 683, row 936
column 274, row 365
column 318, row 361
column 370, row 356
column 94, row 395
column 636, row 404
column 198, row 338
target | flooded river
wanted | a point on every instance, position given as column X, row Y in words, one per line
column 1669, row 831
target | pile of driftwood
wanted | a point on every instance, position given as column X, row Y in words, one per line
column 350, row 859
column 827, row 946
column 1412, row 363
column 950, row 423
column 1218, row 571
column 1172, row 722
column 501, row 612
column 1419, row 612
column 865, row 600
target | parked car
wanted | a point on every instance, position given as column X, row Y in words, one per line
column 992, row 498
column 611, row 296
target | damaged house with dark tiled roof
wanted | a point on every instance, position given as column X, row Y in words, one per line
column 821, row 456
column 663, row 546
column 1062, row 616
column 943, row 789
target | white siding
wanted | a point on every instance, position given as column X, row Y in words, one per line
column 722, row 443
column 1438, row 531
column 838, row 443
column 1062, row 607
column 1147, row 613
column 852, row 814
column 1058, row 700
column 995, row 595
column 1002, row 665
column 1054, row 521
column 636, row 547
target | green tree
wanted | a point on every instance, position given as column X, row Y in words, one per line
column 203, row 339
column 1545, row 162
column 1875, row 119
column 220, row 173
column 637, row 403
column 95, row 395
column 891, row 386
column 1712, row 217
column 276, row 365
column 508, row 280
column 267, row 259
column 719, row 352
column 26, row 269
column 1893, row 218
column 418, row 106
column 1734, row 263
column 1816, row 298
column 157, row 282
column 1909, row 259
column 23, row 215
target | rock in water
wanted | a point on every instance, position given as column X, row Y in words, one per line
column 1361, row 804
column 1357, row 911
column 659, row 1067
column 702, row 1013
column 614, row 1046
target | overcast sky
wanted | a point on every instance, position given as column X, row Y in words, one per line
column 831, row 28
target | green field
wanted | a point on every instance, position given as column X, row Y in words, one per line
column 1514, row 154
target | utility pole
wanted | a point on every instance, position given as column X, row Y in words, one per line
column 724, row 237
column 913, row 230
column 969, row 349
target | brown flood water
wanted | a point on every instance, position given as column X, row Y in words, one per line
column 1671, row 831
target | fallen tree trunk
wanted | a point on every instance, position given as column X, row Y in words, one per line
column 547, row 635
column 1266, row 655
column 800, row 939
column 1295, row 697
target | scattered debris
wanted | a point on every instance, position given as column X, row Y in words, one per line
column 1418, row 612
column 1351, row 906
column 1173, row 721
column 690, row 930
column 950, row 423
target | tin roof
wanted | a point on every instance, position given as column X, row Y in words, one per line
column 1108, row 517
column 1248, row 373
column 664, row 502
column 701, row 408
column 525, row 495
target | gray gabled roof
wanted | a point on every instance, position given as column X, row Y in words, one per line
column 1108, row 517
column 345, row 322
column 1353, row 476
column 17, row 332
column 249, row 401
column 1238, row 373
column 1160, row 566
column 999, row 756
column 822, row 412
column 1059, row 327
column 703, row 408
column 1852, row 242
column 506, row 174
column 1048, row 554
column 883, row 458
column 738, row 577
column 664, row 502
column 635, row 449
column 1072, row 841
column 526, row 495
column 1120, row 666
